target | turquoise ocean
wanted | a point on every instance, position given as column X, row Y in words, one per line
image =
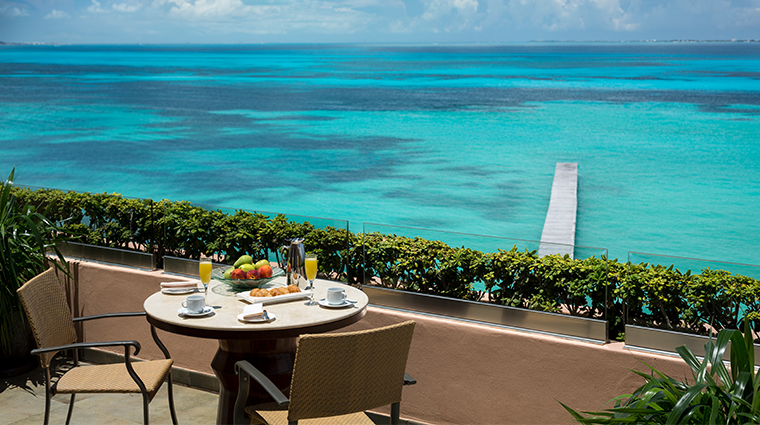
column 459, row 138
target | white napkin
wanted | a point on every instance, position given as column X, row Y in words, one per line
column 184, row 284
column 253, row 311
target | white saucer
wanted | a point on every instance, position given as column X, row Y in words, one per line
column 260, row 320
column 206, row 311
column 172, row 291
column 323, row 302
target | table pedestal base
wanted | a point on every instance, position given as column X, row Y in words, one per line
column 273, row 357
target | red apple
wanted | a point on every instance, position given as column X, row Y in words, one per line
column 265, row 271
column 252, row 274
column 237, row 274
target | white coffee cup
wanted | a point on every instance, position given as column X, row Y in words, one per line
column 336, row 296
column 195, row 303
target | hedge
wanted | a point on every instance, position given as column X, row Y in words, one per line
column 641, row 294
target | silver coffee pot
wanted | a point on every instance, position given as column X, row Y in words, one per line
column 293, row 258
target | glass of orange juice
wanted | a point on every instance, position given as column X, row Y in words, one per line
column 204, row 269
column 310, row 264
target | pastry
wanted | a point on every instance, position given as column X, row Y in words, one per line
column 278, row 291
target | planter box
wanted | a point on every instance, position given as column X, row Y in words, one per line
column 637, row 337
column 180, row 266
column 592, row 330
column 104, row 254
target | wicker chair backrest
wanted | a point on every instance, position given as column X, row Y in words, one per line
column 336, row 374
column 44, row 301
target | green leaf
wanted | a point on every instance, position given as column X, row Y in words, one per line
column 696, row 366
column 683, row 403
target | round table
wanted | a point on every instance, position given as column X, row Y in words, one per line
column 268, row 346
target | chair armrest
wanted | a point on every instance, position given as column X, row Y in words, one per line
column 408, row 380
column 244, row 370
column 101, row 316
column 129, row 314
column 127, row 359
column 75, row 345
column 265, row 382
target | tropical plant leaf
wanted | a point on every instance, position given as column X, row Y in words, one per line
column 697, row 367
column 714, row 412
column 684, row 403
column 731, row 398
column 575, row 414
column 715, row 356
column 25, row 238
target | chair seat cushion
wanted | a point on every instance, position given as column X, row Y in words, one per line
column 114, row 378
column 277, row 417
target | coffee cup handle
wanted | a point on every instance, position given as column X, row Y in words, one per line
column 344, row 297
column 184, row 304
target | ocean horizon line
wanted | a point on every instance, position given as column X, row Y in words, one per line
column 359, row 43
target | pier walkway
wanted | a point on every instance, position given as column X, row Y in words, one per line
column 558, row 236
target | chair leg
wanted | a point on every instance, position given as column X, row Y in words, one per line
column 73, row 396
column 171, row 399
column 48, row 396
column 145, row 408
column 395, row 413
column 71, row 409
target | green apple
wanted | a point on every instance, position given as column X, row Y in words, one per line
column 261, row 263
column 245, row 259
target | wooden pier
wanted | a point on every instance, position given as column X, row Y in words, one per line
column 558, row 236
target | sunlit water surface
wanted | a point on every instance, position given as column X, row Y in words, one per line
column 456, row 138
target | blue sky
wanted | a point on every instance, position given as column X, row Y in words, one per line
column 425, row 21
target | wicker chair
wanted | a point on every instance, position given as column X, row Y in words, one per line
column 336, row 377
column 44, row 301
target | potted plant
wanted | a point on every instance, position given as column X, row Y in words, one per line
column 716, row 395
column 27, row 237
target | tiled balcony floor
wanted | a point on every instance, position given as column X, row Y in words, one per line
column 22, row 401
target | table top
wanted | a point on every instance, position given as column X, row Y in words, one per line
column 292, row 318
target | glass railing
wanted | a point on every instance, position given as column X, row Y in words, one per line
column 185, row 230
column 192, row 229
column 120, row 222
column 694, row 295
column 694, row 265
column 690, row 295
column 483, row 268
column 109, row 220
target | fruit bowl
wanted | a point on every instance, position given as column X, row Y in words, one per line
column 218, row 274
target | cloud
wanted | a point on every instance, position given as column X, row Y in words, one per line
column 446, row 16
column 56, row 14
column 491, row 20
column 515, row 16
column 397, row 20
column 302, row 17
column 697, row 19
column 208, row 9
column 95, row 7
column 568, row 15
column 126, row 7
column 436, row 9
column 12, row 11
